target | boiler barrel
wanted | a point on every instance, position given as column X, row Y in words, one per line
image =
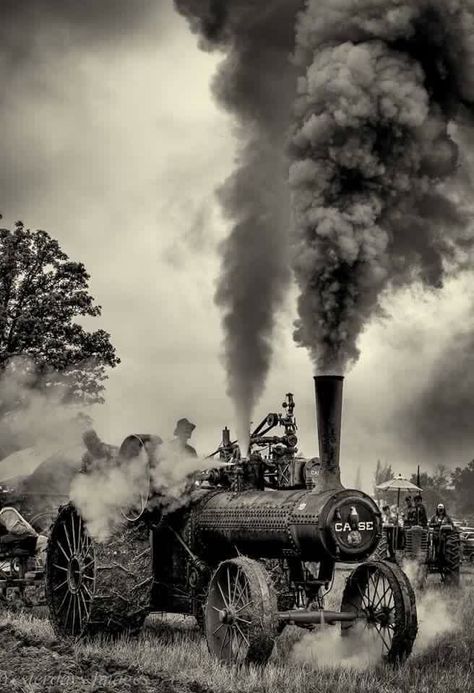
column 342, row 524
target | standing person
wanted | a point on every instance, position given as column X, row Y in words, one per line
column 388, row 521
column 440, row 517
column 421, row 517
column 409, row 512
column 386, row 516
column 182, row 433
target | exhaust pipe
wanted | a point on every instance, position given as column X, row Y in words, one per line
column 328, row 389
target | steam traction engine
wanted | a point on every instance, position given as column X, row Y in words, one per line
column 253, row 548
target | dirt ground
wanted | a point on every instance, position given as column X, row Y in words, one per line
column 32, row 659
column 171, row 657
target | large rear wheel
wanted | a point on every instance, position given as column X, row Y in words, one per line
column 96, row 587
column 240, row 613
column 381, row 594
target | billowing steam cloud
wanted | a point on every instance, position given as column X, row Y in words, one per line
column 120, row 488
column 374, row 159
column 36, row 419
column 256, row 83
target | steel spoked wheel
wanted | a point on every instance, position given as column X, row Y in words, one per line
column 240, row 613
column 381, row 594
column 96, row 587
column 71, row 574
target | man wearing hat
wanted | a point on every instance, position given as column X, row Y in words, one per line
column 182, row 433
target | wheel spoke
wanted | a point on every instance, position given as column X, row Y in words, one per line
column 382, row 598
column 73, row 612
column 68, row 608
column 68, row 539
column 242, row 634
column 73, row 534
column 222, row 595
column 243, row 620
column 79, row 611
column 87, row 590
column 363, row 596
column 84, row 602
column 235, row 585
column 60, row 567
column 243, row 607
column 224, row 640
column 64, row 551
column 229, row 590
column 375, row 583
column 80, row 536
column 61, row 584
column 243, row 593
column 221, row 625
column 379, row 631
column 63, row 600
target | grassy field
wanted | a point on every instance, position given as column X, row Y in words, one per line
column 171, row 657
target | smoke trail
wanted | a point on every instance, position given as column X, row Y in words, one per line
column 256, row 83
column 376, row 202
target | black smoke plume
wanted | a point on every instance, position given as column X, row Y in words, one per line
column 377, row 201
column 256, row 83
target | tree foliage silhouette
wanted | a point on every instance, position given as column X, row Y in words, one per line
column 43, row 294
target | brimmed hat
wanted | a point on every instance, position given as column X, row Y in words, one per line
column 183, row 425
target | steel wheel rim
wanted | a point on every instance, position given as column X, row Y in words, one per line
column 72, row 574
column 230, row 616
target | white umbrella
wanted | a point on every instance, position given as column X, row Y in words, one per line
column 398, row 483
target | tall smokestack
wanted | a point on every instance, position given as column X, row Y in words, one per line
column 328, row 390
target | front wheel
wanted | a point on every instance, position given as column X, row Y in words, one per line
column 382, row 595
column 240, row 613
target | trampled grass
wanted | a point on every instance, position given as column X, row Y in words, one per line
column 173, row 648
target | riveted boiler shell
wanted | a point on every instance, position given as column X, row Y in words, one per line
column 342, row 524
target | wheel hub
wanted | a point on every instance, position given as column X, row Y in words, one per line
column 228, row 616
column 74, row 574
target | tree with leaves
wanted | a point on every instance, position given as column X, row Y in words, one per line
column 437, row 488
column 43, row 296
column 463, row 483
column 383, row 472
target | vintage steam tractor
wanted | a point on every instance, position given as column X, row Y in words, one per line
column 252, row 547
column 429, row 550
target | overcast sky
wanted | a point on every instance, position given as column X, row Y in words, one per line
column 115, row 147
